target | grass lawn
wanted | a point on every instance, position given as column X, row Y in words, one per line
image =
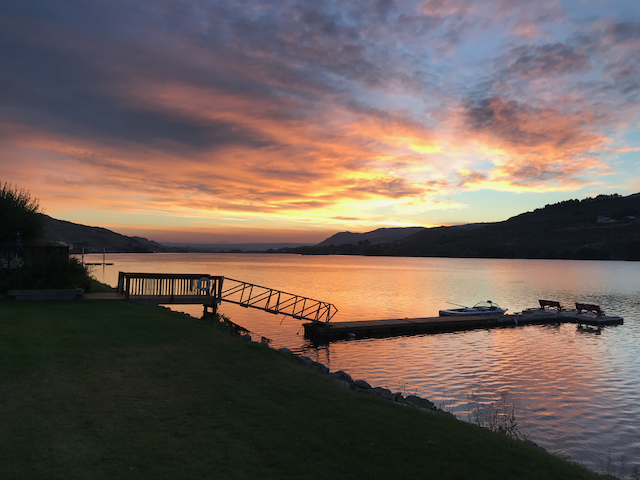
column 105, row 389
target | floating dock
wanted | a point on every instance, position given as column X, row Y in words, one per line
column 327, row 332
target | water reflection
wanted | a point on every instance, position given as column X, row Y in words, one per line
column 575, row 391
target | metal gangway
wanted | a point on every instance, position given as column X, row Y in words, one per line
column 276, row 301
column 209, row 290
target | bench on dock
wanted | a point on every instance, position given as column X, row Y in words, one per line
column 550, row 304
column 587, row 307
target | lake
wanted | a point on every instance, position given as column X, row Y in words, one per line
column 575, row 393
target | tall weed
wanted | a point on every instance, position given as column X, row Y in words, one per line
column 498, row 416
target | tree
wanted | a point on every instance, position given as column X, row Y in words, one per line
column 40, row 267
column 19, row 213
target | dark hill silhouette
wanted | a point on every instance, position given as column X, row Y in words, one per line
column 95, row 239
column 604, row 227
column 381, row 235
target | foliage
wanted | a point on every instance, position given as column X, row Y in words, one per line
column 45, row 271
column 19, row 213
column 99, row 287
column 36, row 268
column 498, row 416
column 619, row 469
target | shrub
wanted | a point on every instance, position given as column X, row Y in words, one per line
column 19, row 213
column 45, row 272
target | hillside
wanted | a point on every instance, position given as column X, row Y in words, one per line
column 94, row 239
column 381, row 235
column 604, row 227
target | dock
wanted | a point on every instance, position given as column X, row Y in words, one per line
column 209, row 291
column 327, row 332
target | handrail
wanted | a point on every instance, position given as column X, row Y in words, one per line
column 276, row 301
column 168, row 288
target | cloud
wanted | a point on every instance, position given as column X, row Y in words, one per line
column 297, row 112
column 469, row 179
column 548, row 59
column 535, row 147
column 626, row 31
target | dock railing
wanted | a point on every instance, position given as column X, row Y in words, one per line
column 167, row 288
column 209, row 290
column 276, row 302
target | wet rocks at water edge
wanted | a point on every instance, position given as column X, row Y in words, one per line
column 421, row 402
column 318, row 367
column 343, row 379
column 361, row 384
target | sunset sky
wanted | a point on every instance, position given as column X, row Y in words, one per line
column 288, row 121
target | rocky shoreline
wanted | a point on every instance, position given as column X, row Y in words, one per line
column 343, row 379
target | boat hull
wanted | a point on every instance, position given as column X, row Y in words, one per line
column 453, row 312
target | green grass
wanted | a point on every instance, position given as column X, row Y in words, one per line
column 99, row 389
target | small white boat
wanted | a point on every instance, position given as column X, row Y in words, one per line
column 480, row 309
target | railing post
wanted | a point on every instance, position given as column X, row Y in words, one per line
column 126, row 287
column 120, row 283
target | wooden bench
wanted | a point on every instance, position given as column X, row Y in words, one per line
column 587, row 307
column 52, row 294
column 550, row 304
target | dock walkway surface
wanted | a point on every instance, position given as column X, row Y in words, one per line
column 326, row 332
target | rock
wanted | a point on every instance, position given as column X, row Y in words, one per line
column 361, row 384
column 383, row 392
column 285, row 351
column 318, row 367
column 304, row 360
column 444, row 412
column 421, row 402
column 342, row 383
column 245, row 338
column 342, row 375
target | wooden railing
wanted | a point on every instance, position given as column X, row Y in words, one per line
column 167, row 288
column 207, row 290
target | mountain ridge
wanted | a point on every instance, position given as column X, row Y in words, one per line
column 602, row 227
column 605, row 227
column 380, row 235
column 95, row 239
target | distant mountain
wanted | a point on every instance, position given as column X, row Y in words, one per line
column 381, row 235
column 604, row 227
column 95, row 239
column 230, row 247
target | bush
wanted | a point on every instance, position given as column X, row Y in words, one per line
column 46, row 272
column 19, row 213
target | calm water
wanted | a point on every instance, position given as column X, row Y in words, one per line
column 575, row 393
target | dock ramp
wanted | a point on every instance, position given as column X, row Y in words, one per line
column 209, row 290
column 276, row 301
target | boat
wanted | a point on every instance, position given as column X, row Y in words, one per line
column 480, row 309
